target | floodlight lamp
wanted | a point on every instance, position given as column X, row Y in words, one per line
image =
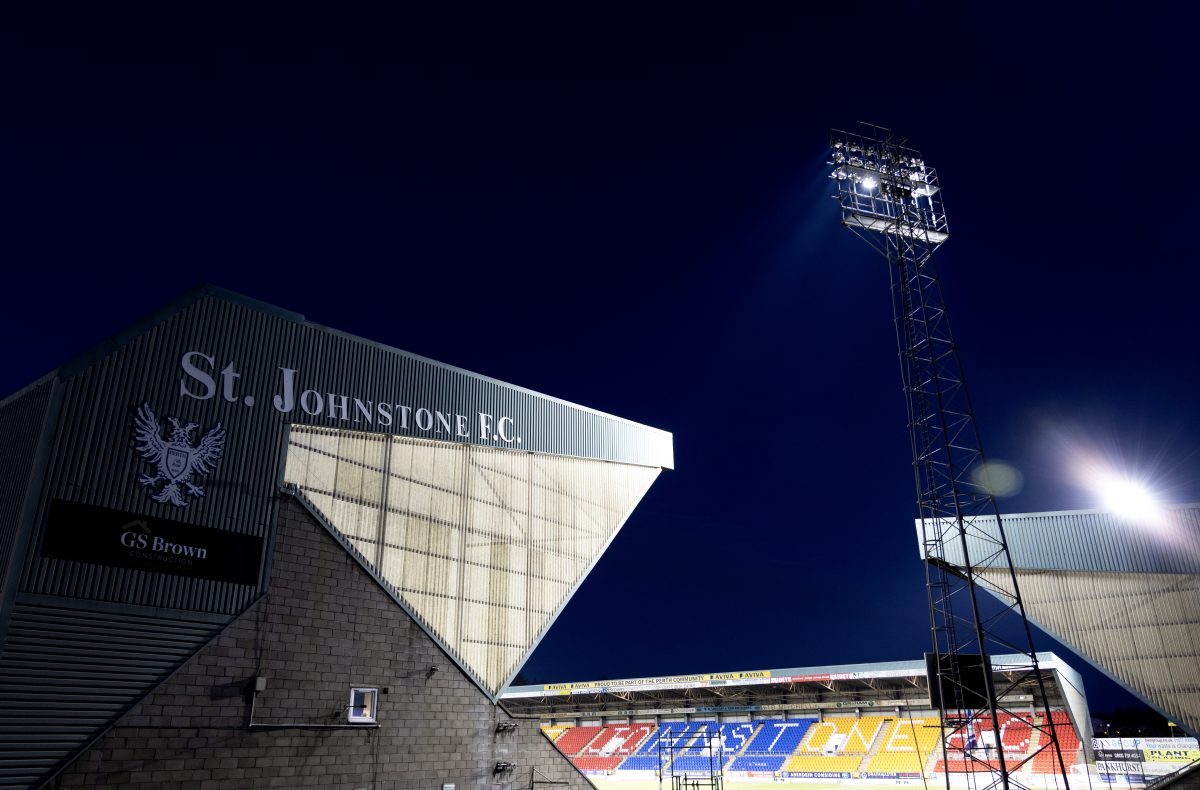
column 1129, row 498
column 869, row 183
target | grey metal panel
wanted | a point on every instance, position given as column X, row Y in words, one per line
column 69, row 669
column 21, row 418
column 93, row 460
column 1093, row 540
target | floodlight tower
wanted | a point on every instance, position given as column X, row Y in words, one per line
column 890, row 198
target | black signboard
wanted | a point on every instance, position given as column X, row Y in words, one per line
column 125, row 540
column 963, row 690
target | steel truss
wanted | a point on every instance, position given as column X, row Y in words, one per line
column 891, row 199
column 707, row 745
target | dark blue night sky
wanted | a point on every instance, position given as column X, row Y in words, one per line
column 628, row 209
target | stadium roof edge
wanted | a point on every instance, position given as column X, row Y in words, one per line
column 205, row 290
column 878, row 669
column 1079, row 511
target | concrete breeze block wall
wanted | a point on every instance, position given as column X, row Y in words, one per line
column 324, row 627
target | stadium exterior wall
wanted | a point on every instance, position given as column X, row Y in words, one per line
column 139, row 504
column 22, row 423
column 324, row 627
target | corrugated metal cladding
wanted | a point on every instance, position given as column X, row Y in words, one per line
column 483, row 546
column 1142, row 629
column 1124, row 595
column 365, row 386
column 1089, row 540
column 70, row 668
column 21, row 420
column 223, row 363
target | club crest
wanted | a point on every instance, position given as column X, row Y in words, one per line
column 175, row 458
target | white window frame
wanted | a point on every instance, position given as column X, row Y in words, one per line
column 369, row 710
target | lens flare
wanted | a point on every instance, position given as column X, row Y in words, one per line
column 999, row 478
column 1125, row 481
column 1128, row 498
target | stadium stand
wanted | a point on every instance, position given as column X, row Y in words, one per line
column 590, row 763
column 1068, row 743
column 680, row 731
column 758, row 762
column 618, row 739
column 734, row 737
column 696, row 738
column 691, row 763
column 1019, row 740
column 841, row 736
column 907, row 746
column 835, row 745
column 650, row 745
column 778, row 736
column 872, row 745
column 575, row 739
column 640, row 762
column 823, row 763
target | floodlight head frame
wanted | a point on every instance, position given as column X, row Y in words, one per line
column 885, row 188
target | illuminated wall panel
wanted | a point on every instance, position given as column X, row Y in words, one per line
column 1141, row 629
column 484, row 545
column 1123, row 594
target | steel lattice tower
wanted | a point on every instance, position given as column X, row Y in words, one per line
column 891, row 199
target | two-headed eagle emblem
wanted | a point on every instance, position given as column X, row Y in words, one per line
column 175, row 459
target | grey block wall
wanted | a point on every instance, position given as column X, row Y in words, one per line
column 324, row 627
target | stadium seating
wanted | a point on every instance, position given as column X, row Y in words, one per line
column 696, row 738
column 1045, row 761
column 640, row 762
column 778, row 736
column 1019, row 739
column 841, row 736
column 906, row 747
column 822, row 762
column 836, row 745
column 590, row 763
column 1014, row 734
column 758, row 762
column 734, row 737
column 574, row 739
column 678, row 729
column 618, row 739
column 694, row 763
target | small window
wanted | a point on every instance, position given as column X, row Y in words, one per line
column 363, row 705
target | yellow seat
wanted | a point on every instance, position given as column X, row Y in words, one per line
column 906, row 746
